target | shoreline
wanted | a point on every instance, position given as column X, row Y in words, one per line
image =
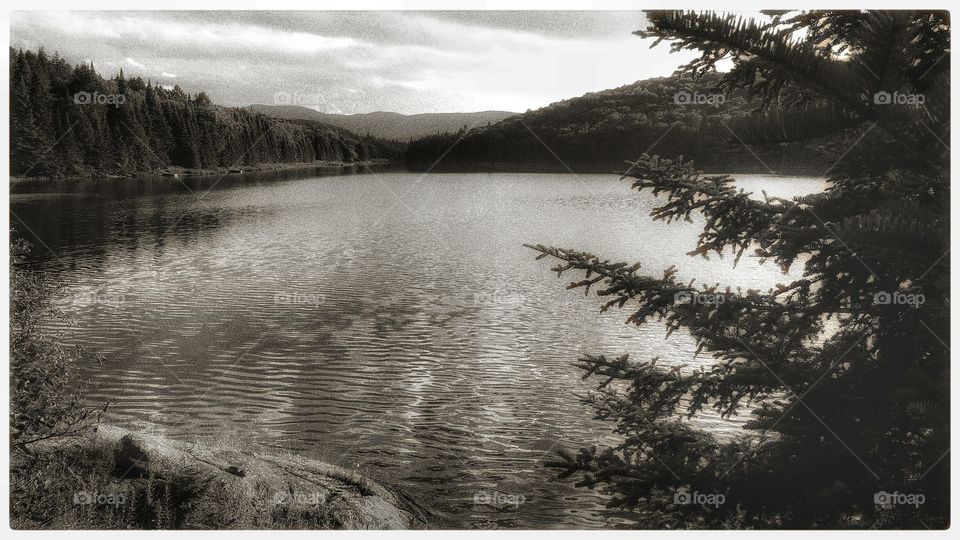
column 485, row 168
column 579, row 169
column 182, row 172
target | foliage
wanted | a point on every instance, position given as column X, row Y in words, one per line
column 45, row 396
column 124, row 125
column 845, row 378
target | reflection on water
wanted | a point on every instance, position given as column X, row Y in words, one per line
column 388, row 322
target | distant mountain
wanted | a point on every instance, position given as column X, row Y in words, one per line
column 388, row 125
column 599, row 131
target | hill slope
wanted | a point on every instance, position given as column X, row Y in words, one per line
column 600, row 130
column 387, row 125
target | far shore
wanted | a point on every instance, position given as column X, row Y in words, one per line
column 482, row 167
column 178, row 172
column 604, row 168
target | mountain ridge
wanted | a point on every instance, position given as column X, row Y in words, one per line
column 387, row 124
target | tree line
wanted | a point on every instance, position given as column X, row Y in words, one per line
column 69, row 121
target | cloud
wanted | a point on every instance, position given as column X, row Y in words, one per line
column 361, row 61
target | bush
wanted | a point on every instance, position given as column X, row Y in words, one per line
column 45, row 395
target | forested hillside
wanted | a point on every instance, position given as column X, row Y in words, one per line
column 69, row 121
column 596, row 131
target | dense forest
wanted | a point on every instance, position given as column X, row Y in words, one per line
column 595, row 131
column 69, row 121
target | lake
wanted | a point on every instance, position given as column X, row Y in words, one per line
column 390, row 322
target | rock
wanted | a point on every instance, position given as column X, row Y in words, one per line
column 131, row 459
column 221, row 487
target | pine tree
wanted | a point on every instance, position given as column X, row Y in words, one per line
column 159, row 132
column 844, row 371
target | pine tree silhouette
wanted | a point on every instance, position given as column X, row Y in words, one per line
column 845, row 371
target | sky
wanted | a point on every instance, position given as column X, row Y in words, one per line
column 357, row 62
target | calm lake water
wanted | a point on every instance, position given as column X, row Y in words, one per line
column 390, row 322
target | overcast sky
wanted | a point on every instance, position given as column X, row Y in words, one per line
column 353, row 62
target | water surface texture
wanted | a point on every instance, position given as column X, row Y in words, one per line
column 392, row 323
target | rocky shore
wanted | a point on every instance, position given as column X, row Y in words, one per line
column 124, row 479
